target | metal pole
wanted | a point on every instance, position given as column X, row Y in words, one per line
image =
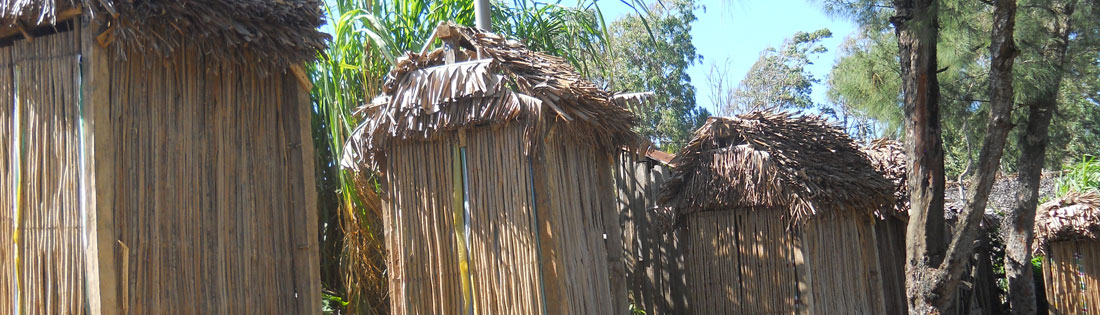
column 481, row 15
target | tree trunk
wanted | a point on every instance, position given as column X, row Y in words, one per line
column 933, row 271
column 1020, row 221
column 916, row 26
column 1003, row 52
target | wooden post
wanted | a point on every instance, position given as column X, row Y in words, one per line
column 549, row 227
column 98, row 172
column 613, row 234
column 299, row 107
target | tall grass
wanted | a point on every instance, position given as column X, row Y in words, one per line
column 1082, row 176
column 367, row 37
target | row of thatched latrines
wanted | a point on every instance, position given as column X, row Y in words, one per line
column 497, row 163
column 157, row 157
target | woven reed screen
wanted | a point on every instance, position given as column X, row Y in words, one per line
column 419, row 218
column 654, row 259
column 572, row 176
column 843, row 265
column 496, row 202
column 43, row 257
column 209, row 194
column 503, row 239
column 746, row 262
column 1071, row 272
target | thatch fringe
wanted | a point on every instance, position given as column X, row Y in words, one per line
column 774, row 160
column 281, row 32
column 1073, row 216
column 423, row 96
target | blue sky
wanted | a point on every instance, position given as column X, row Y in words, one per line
column 739, row 30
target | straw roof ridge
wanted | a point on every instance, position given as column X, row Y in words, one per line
column 266, row 32
column 774, row 160
column 423, row 96
column 1073, row 216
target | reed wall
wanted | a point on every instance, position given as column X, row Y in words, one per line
column 1071, row 275
column 7, row 178
column 747, row 262
column 890, row 239
column 528, row 231
column 43, row 258
column 140, row 184
column 843, row 265
column 654, row 259
column 211, row 187
column 577, row 187
column 420, row 228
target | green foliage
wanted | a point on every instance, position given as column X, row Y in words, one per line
column 635, row 309
column 576, row 34
column 331, row 304
column 1082, row 176
column 779, row 79
column 1037, row 264
column 651, row 51
column 865, row 79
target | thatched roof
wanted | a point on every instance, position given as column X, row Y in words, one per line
column 270, row 31
column 423, row 96
column 800, row 163
column 1073, row 216
column 888, row 158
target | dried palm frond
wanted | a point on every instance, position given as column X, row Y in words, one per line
column 888, row 158
column 1073, row 216
column 774, row 160
column 281, row 32
column 423, row 96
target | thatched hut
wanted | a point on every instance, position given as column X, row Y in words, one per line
column 655, row 279
column 157, row 157
column 496, row 165
column 1067, row 233
column 778, row 212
